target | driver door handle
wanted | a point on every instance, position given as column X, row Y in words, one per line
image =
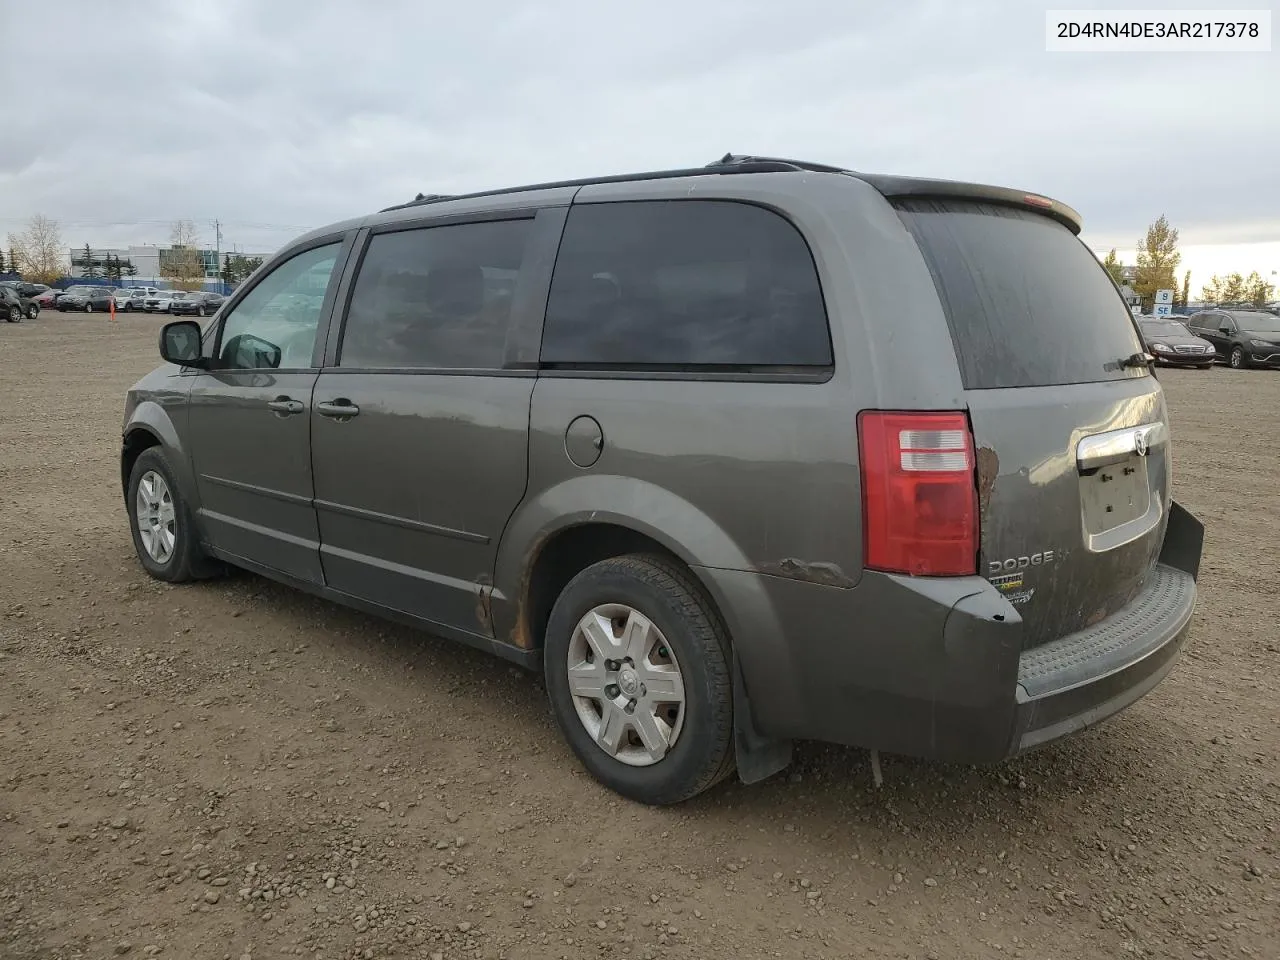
column 285, row 406
column 339, row 409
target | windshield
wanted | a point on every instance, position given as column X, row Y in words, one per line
column 79, row 291
column 1164, row 328
column 1263, row 322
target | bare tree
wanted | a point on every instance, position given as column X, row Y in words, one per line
column 182, row 263
column 40, row 255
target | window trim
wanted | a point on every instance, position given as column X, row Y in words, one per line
column 528, row 300
column 772, row 373
column 229, row 307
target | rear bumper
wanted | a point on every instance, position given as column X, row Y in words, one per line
column 935, row 668
column 1081, row 679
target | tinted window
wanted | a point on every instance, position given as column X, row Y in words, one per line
column 436, row 297
column 684, row 283
column 1028, row 304
column 275, row 324
column 1261, row 322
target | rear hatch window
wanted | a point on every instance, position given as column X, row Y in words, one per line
column 1027, row 302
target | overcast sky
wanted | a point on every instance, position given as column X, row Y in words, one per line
column 276, row 117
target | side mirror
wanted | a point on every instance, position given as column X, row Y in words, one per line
column 180, row 343
column 248, row 352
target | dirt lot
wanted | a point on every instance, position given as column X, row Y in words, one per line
column 236, row 770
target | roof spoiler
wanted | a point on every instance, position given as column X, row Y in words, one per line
column 904, row 188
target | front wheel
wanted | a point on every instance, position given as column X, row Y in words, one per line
column 199, row 311
column 15, row 315
column 163, row 533
column 637, row 669
column 1237, row 360
column 88, row 308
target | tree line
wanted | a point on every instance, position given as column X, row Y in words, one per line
column 37, row 254
column 1157, row 269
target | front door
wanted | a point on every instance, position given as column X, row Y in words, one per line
column 1213, row 332
column 419, row 434
column 249, row 418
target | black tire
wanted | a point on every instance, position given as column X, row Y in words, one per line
column 88, row 308
column 199, row 311
column 1237, row 359
column 15, row 314
column 187, row 561
column 672, row 599
column 33, row 311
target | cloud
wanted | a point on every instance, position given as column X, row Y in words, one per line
column 278, row 117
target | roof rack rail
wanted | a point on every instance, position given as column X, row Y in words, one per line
column 728, row 164
column 737, row 159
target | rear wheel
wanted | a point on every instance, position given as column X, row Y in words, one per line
column 1237, row 360
column 637, row 668
column 32, row 312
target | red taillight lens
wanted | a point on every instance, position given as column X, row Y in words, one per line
column 919, row 498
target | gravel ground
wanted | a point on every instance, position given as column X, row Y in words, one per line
column 233, row 769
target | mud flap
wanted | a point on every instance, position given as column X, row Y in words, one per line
column 758, row 757
column 1183, row 541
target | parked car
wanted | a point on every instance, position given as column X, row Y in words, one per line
column 756, row 452
column 27, row 290
column 48, row 299
column 27, row 295
column 158, row 301
column 86, row 297
column 132, row 298
column 197, row 304
column 1171, row 343
column 14, row 307
column 1243, row 338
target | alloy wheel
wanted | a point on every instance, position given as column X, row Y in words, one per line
column 155, row 517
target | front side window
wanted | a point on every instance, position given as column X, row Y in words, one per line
column 684, row 283
column 275, row 325
column 435, row 297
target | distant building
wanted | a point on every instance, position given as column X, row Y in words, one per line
column 148, row 263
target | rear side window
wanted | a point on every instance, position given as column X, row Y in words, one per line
column 1028, row 304
column 435, row 297
column 684, row 283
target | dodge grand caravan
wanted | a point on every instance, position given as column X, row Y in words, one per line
column 737, row 455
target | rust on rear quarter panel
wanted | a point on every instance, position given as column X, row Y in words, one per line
column 988, row 465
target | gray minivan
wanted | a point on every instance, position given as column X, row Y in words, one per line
column 737, row 455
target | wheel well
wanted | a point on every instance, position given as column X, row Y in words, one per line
column 563, row 557
column 135, row 442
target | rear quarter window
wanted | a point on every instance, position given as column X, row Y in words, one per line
column 680, row 284
column 1027, row 303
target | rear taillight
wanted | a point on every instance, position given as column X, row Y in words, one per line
column 919, row 497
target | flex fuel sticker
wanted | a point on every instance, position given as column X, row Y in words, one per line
column 1011, row 585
